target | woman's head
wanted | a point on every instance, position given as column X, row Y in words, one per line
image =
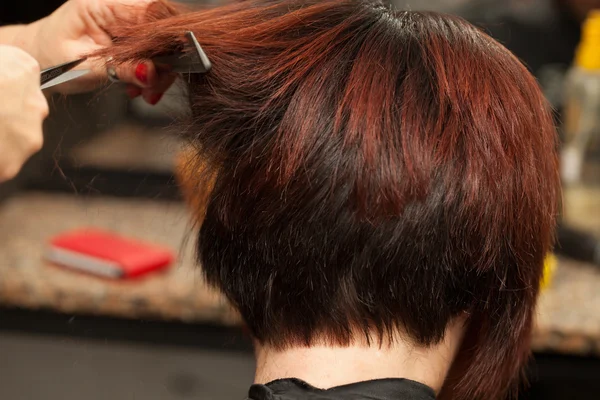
column 371, row 172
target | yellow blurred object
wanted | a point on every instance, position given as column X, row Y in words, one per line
column 580, row 165
column 588, row 51
column 550, row 264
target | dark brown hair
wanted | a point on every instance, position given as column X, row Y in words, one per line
column 370, row 171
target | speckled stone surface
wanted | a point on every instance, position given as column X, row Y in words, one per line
column 26, row 280
column 568, row 313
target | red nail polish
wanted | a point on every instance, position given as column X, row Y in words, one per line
column 141, row 73
column 155, row 98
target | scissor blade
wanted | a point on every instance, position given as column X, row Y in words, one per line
column 53, row 72
column 67, row 76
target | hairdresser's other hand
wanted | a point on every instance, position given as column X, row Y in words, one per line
column 79, row 27
column 22, row 111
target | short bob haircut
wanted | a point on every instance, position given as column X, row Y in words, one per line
column 370, row 172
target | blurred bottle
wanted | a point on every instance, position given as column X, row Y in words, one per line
column 580, row 163
column 550, row 265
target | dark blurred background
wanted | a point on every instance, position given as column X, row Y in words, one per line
column 103, row 145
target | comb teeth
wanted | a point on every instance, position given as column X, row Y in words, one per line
column 192, row 60
column 197, row 54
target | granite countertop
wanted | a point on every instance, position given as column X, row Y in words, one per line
column 26, row 280
column 568, row 314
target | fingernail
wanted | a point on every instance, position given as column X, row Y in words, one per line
column 141, row 73
column 155, row 98
column 133, row 92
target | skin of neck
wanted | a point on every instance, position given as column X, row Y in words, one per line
column 324, row 366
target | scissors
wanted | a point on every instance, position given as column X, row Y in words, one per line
column 61, row 73
column 190, row 60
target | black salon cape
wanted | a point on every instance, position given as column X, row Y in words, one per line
column 381, row 389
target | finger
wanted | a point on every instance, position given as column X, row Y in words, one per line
column 9, row 171
column 142, row 74
column 42, row 105
column 21, row 148
column 133, row 91
column 38, row 110
column 155, row 93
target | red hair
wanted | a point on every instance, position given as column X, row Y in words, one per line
column 370, row 171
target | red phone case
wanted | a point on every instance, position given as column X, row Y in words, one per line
column 107, row 254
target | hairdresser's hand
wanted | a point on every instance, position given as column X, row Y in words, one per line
column 23, row 108
column 79, row 27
